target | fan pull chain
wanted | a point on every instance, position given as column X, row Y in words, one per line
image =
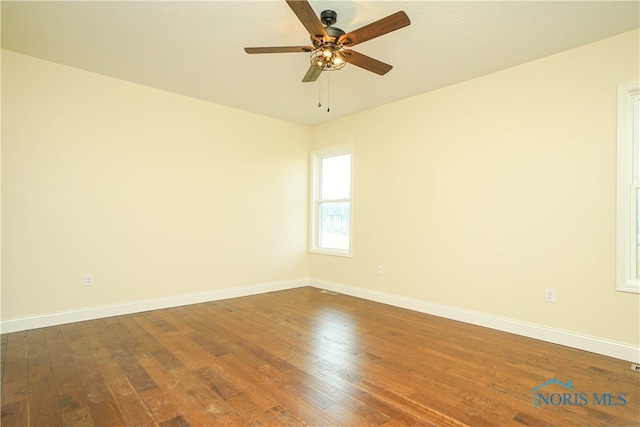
column 320, row 91
column 328, row 93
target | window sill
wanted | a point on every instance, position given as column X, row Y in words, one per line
column 317, row 251
column 629, row 288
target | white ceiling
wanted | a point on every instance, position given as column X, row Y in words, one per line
column 196, row 48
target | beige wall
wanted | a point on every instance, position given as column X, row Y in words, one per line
column 481, row 195
column 153, row 193
column 477, row 196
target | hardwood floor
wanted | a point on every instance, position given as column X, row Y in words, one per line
column 303, row 357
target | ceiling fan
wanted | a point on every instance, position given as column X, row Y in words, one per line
column 330, row 50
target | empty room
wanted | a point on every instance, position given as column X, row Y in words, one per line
column 320, row 213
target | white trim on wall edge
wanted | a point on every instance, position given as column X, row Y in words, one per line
column 544, row 333
column 98, row 312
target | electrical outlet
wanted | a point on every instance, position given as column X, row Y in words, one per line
column 550, row 295
column 379, row 270
column 635, row 367
column 88, row 279
column 272, row 263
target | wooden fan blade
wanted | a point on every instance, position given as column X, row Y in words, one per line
column 366, row 62
column 312, row 74
column 375, row 29
column 278, row 49
column 308, row 17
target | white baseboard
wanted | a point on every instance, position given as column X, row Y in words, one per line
column 544, row 333
column 98, row 312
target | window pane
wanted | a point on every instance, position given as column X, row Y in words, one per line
column 628, row 178
column 335, row 177
column 335, row 219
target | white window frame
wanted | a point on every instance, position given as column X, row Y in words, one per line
column 628, row 147
column 314, row 229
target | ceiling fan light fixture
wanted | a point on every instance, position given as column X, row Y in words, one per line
column 328, row 58
column 331, row 46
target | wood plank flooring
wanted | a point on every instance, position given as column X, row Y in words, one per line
column 303, row 357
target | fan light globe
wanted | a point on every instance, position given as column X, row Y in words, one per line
column 328, row 58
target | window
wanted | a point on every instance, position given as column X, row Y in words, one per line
column 331, row 201
column 628, row 191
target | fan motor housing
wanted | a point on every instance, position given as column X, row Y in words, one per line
column 328, row 18
column 334, row 34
